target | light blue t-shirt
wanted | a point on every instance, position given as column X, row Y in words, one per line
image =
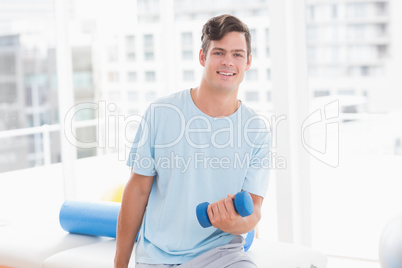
column 195, row 158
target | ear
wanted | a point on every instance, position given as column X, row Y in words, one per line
column 250, row 59
column 201, row 58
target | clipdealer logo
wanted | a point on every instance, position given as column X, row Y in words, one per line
column 116, row 131
column 327, row 149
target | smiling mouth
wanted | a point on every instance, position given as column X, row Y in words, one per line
column 226, row 74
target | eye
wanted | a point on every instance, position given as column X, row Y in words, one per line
column 218, row 53
column 238, row 55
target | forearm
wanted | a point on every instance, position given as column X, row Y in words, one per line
column 132, row 211
column 129, row 223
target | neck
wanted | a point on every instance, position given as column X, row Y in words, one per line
column 215, row 104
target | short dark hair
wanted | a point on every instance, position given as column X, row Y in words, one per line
column 217, row 27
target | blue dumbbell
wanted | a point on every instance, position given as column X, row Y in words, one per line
column 243, row 204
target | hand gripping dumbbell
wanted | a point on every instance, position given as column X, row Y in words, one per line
column 243, row 204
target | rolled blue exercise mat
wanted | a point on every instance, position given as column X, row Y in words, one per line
column 90, row 218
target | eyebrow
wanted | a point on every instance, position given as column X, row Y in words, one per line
column 233, row 50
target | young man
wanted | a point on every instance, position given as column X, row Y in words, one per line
column 198, row 145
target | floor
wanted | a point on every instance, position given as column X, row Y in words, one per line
column 338, row 262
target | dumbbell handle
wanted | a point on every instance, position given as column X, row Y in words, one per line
column 243, row 204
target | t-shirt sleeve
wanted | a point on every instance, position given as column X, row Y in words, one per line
column 257, row 175
column 142, row 154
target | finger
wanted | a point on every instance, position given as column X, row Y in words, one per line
column 226, row 203
column 216, row 209
column 229, row 206
column 219, row 208
column 210, row 211
column 231, row 196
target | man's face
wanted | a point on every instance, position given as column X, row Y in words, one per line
column 225, row 62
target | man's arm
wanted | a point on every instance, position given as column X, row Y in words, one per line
column 134, row 202
column 223, row 216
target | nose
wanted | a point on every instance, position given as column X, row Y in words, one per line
column 227, row 60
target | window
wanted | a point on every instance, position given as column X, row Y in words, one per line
column 353, row 71
column 113, row 77
column 9, row 41
column 347, row 92
column 187, row 45
column 252, row 96
column 148, row 41
column 312, row 33
column 312, row 53
column 149, row 47
column 365, row 70
column 150, row 76
column 382, row 51
column 356, row 10
column 132, row 96
column 360, row 56
column 335, row 53
column 187, row 39
column 113, row 96
column 188, row 75
column 149, row 56
column 113, row 54
column 187, row 54
column 130, row 48
column 310, row 13
column 334, row 11
column 28, row 93
column 269, row 96
column 130, row 41
column 148, row 5
column 381, row 30
column 321, row 93
column 253, row 33
column 334, row 71
column 150, row 95
column 254, row 51
column 313, row 71
column 268, row 74
column 252, row 75
column 7, row 62
column 132, row 76
column 131, row 56
column 356, row 32
column 86, row 134
column 82, row 80
column 331, row 33
column 376, row 71
column 381, row 8
column 8, row 93
column 362, row 52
